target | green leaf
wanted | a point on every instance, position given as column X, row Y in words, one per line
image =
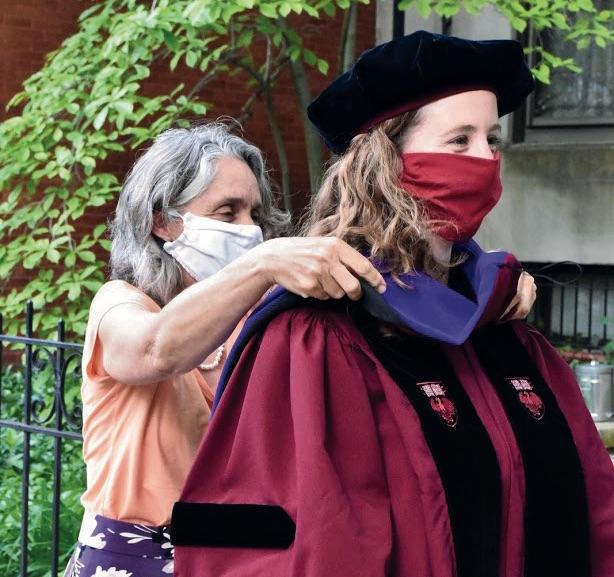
column 268, row 10
column 100, row 118
column 245, row 38
column 323, row 66
column 64, row 173
column 294, row 52
column 23, row 154
column 199, row 108
column 99, row 200
column 329, row 9
column 53, row 255
column 175, row 60
column 63, row 155
column 190, row 59
column 77, row 139
column 586, row 5
column 48, row 202
column 518, row 24
column 74, row 291
column 583, row 43
column 31, row 260
column 70, row 260
column 124, row 107
column 142, row 71
column 309, row 57
column 448, row 11
column 313, row 12
column 473, row 8
column 171, row 40
column 542, row 73
column 559, row 21
column 423, row 7
column 86, row 256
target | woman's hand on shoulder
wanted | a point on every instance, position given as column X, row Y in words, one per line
column 320, row 267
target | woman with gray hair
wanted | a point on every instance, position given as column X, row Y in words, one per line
column 193, row 251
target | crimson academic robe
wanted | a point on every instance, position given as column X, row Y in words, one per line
column 463, row 449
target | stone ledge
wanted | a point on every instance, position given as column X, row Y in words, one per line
column 604, row 142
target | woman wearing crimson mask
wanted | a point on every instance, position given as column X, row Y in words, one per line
column 410, row 433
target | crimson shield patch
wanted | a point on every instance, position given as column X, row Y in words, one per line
column 527, row 396
column 440, row 403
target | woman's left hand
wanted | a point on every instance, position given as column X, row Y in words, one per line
column 522, row 303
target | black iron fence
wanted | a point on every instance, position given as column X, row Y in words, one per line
column 575, row 306
column 43, row 369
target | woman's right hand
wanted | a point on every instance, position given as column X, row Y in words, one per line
column 320, row 267
column 145, row 345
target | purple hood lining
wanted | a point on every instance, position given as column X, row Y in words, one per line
column 425, row 306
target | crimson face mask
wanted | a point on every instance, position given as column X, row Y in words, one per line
column 458, row 189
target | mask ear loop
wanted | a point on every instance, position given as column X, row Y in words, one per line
column 572, row 281
column 538, row 273
column 172, row 213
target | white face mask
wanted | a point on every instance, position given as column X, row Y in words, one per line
column 207, row 245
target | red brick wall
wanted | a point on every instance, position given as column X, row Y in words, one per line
column 29, row 29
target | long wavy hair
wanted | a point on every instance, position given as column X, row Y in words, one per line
column 361, row 201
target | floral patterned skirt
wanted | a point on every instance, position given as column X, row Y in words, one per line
column 110, row 548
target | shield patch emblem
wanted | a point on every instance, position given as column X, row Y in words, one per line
column 528, row 397
column 439, row 401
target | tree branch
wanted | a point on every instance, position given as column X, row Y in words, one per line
column 265, row 80
column 347, row 46
column 312, row 141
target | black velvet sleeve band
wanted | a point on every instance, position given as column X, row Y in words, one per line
column 231, row 525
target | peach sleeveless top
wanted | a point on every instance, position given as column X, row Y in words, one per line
column 138, row 440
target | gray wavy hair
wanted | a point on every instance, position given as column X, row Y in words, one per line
column 178, row 167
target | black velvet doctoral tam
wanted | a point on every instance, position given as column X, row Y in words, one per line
column 408, row 72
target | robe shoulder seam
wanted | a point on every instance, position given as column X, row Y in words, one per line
column 332, row 320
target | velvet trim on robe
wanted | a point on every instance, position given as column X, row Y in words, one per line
column 595, row 461
column 460, row 444
column 556, row 520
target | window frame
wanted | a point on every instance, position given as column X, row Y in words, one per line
column 527, row 129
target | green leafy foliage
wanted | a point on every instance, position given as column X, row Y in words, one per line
column 579, row 20
column 608, row 350
column 91, row 101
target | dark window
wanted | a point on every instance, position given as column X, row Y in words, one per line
column 575, row 99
